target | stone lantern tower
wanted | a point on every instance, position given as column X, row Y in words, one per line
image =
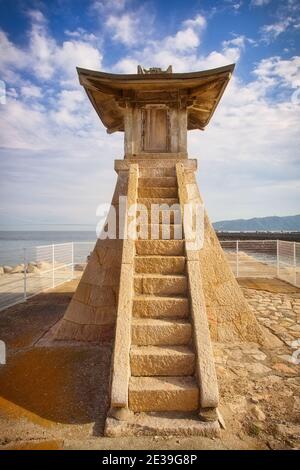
column 162, row 302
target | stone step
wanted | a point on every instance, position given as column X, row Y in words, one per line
column 155, row 172
column 160, row 216
column 161, row 192
column 160, row 264
column 164, row 203
column 149, row 306
column 161, row 231
column 165, row 181
column 163, row 394
column 160, row 284
column 161, row 361
column 151, row 331
column 160, row 247
column 162, row 423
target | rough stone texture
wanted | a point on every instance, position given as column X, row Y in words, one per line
column 161, row 361
column 163, row 394
column 91, row 314
column 148, row 201
column 146, row 306
column 163, row 424
column 160, row 247
column 160, row 264
column 164, row 231
column 229, row 315
column 160, row 332
column 160, row 284
column 206, row 373
column 160, row 192
column 157, row 182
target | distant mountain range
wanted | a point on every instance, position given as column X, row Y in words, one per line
column 260, row 224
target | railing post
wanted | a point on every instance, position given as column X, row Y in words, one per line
column 72, row 255
column 277, row 256
column 295, row 265
column 53, row 260
column 25, row 273
column 237, row 258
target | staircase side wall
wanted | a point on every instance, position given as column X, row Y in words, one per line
column 91, row 314
column 229, row 314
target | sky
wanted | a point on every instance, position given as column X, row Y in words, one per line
column 56, row 159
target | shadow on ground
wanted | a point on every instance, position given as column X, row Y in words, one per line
column 59, row 383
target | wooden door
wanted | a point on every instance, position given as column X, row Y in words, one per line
column 155, row 130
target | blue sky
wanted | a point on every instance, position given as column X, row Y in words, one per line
column 56, row 160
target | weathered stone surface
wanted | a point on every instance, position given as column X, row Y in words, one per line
column 161, row 361
column 32, row 268
column 147, row 171
column 258, row 413
column 160, row 231
column 166, row 202
column 160, row 284
column 146, row 306
column 205, row 365
column 145, row 192
column 165, row 216
column 163, row 394
column 233, row 317
column 161, row 425
column 95, row 302
column 160, row 247
column 160, row 332
column 165, row 181
column 160, row 264
column 7, row 269
column 44, row 265
column 17, row 269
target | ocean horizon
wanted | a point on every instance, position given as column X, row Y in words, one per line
column 13, row 242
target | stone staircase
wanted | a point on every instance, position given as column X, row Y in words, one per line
column 162, row 358
column 156, row 388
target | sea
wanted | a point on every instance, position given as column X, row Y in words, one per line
column 12, row 243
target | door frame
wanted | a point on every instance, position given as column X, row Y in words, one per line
column 168, row 124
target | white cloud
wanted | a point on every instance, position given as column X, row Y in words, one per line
column 259, row 3
column 81, row 33
column 238, row 41
column 272, row 31
column 124, row 28
column 11, row 56
column 104, row 5
column 198, row 22
column 44, row 56
column 31, row 91
column 180, row 49
column 277, row 70
column 53, row 139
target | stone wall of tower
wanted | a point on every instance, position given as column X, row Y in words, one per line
column 91, row 314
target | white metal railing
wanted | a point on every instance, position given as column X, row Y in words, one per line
column 264, row 258
column 39, row 268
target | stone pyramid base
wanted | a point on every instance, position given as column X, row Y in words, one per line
column 161, row 424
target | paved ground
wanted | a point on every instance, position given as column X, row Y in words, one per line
column 56, row 397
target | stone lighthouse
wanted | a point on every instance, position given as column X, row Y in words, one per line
column 160, row 301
